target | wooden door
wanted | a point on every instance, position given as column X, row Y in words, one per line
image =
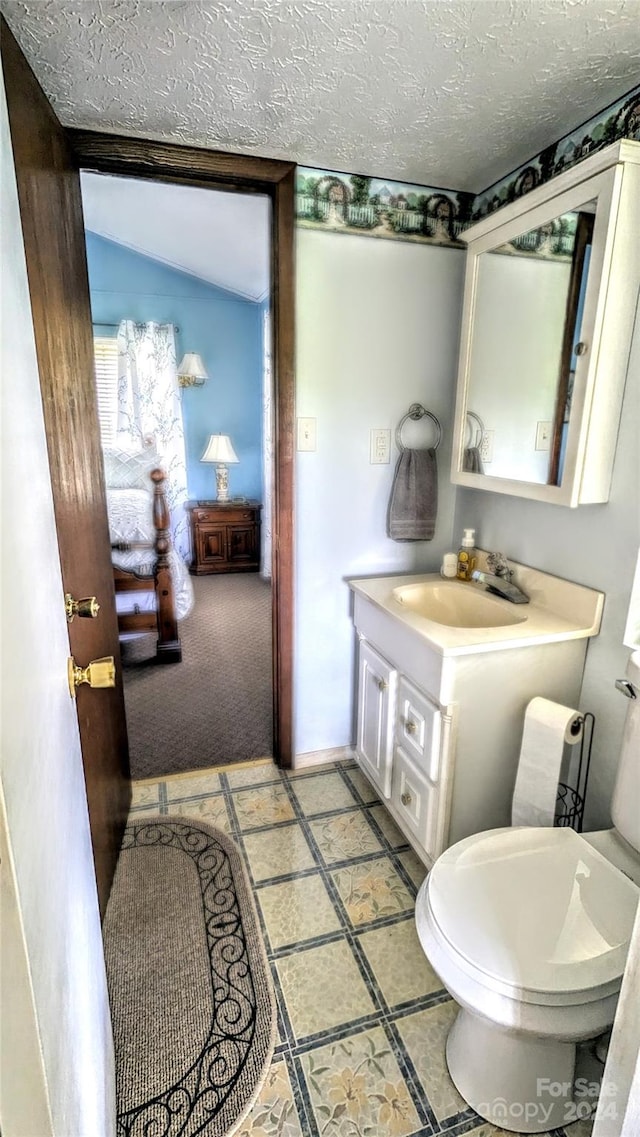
column 53, row 231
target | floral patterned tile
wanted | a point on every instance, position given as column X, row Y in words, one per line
column 253, row 775
column 362, row 785
column 356, row 1088
column 145, row 793
column 424, row 1035
column 274, row 1113
column 372, row 890
column 399, row 964
column 311, row 771
column 581, row 1128
column 263, row 805
column 297, row 910
column 413, row 866
column 385, row 822
column 323, row 988
column 322, row 793
column 345, row 837
column 211, row 810
column 192, row 786
column 486, row 1129
column 278, row 851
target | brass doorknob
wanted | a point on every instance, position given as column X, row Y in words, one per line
column 88, row 607
column 98, row 673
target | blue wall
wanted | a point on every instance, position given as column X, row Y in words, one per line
column 224, row 329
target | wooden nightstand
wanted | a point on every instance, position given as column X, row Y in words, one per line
column 225, row 536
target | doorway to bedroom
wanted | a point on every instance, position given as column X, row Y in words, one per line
column 179, row 279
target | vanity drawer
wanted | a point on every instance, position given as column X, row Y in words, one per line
column 415, row 799
column 418, row 727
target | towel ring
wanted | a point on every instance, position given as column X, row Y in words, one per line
column 480, row 427
column 416, row 412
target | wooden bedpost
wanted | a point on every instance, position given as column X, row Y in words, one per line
column 169, row 649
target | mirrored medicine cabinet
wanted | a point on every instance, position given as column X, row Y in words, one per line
column 551, row 291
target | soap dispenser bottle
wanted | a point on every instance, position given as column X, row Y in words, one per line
column 467, row 555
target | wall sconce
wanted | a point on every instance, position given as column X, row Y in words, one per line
column 191, row 372
column 220, row 451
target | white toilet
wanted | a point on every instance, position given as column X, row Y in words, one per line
column 529, row 929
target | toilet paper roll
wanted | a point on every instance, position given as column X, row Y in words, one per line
column 548, row 728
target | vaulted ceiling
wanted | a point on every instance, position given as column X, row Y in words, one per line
column 222, row 238
column 451, row 93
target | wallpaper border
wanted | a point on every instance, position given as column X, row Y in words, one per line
column 368, row 206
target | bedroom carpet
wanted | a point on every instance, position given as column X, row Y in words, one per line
column 214, row 707
column 190, row 990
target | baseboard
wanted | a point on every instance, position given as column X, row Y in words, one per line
column 322, row 757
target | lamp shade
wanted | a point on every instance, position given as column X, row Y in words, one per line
column 219, row 449
column 191, row 372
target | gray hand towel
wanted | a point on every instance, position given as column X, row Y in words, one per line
column 471, row 461
column 413, row 504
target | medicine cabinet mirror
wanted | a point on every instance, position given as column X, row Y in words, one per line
column 550, row 291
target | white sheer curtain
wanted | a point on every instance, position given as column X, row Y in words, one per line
column 149, row 409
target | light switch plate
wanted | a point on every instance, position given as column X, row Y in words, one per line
column 379, row 446
column 543, row 436
column 306, row 434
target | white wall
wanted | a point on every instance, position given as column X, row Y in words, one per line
column 43, row 783
column 377, row 329
column 596, row 545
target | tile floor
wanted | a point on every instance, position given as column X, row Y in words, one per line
column 362, row 1017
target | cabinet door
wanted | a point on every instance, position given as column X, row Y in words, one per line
column 377, row 682
column 241, row 544
column 212, row 545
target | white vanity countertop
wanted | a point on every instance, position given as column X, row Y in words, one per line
column 558, row 610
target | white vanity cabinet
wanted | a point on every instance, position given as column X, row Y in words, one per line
column 398, row 744
column 440, row 713
column 402, row 739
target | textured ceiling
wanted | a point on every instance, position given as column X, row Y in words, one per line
column 453, row 93
column 222, row 238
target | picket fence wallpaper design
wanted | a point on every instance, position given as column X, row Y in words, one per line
column 376, row 207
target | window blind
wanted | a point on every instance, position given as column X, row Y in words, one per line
column 105, row 350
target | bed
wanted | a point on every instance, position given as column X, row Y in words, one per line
column 153, row 587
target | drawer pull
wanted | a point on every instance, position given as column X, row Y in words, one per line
column 410, row 727
column 381, row 684
column 406, row 799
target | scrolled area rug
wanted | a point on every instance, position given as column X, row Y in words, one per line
column 192, row 1002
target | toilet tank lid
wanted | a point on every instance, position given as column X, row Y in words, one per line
column 536, row 909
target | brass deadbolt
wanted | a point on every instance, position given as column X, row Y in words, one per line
column 98, row 673
column 88, row 607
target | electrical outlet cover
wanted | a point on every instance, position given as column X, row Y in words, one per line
column 486, row 446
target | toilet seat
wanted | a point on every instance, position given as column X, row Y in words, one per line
column 536, row 915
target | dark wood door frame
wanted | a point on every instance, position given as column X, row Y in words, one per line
column 186, row 165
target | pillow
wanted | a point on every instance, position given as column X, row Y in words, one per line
column 129, row 469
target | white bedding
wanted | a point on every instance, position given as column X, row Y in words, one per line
column 131, row 519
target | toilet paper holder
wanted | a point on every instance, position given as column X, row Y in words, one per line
column 572, row 793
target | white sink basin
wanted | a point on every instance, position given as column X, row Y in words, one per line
column 457, row 605
column 458, row 617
